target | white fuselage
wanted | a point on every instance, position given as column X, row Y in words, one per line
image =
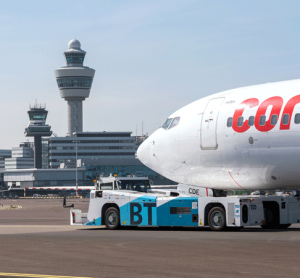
column 246, row 138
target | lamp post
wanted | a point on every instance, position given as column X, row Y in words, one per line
column 74, row 133
column 76, row 172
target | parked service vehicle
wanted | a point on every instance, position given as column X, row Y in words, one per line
column 131, row 201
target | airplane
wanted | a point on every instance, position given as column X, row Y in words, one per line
column 241, row 139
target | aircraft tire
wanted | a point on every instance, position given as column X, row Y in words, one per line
column 217, row 219
column 112, row 218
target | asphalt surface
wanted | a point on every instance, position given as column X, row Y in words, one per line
column 37, row 239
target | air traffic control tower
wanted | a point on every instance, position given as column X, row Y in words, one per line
column 37, row 128
column 74, row 82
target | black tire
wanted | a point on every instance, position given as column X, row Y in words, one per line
column 271, row 219
column 112, row 218
column 217, row 219
column 284, row 226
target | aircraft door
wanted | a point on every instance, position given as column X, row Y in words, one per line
column 209, row 124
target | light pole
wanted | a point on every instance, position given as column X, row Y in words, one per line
column 74, row 133
column 76, row 172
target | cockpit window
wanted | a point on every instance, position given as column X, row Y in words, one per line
column 167, row 123
column 175, row 122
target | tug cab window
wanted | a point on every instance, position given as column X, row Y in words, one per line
column 134, row 185
column 115, row 185
column 175, row 122
column 167, row 123
column 106, row 186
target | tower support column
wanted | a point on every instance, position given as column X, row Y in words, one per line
column 37, row 152
column 74, row 115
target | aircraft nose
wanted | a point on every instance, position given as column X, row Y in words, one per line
column 143, row 153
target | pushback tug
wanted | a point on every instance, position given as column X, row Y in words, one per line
column 132, row 201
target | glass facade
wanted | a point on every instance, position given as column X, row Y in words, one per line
column 45, row 154
column 90, row 141
column 22, row 152
column 107, row 145
column 104, row 134
column 93, row 148
column 1, row 181
column 85, row 82
column 19, row 163
column 81, row 154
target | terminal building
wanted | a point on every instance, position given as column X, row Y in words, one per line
column 22, row 157
column 3, row 155
column 87, row 145
column 24, row 178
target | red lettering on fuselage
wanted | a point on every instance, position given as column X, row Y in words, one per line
column 288, row 109
column 251, row 102
column 276, row 102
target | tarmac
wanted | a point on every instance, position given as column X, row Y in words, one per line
column 37, row 241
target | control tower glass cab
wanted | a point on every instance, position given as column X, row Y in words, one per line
column 37, row 124
column 38, row 128
column 74, row 55
column 74, row 82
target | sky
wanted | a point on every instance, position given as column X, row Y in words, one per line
column 151, row 57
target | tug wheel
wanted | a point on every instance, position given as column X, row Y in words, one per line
column 271, row 219
column 112, row 218
column 217, row 219
column 283, row 226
